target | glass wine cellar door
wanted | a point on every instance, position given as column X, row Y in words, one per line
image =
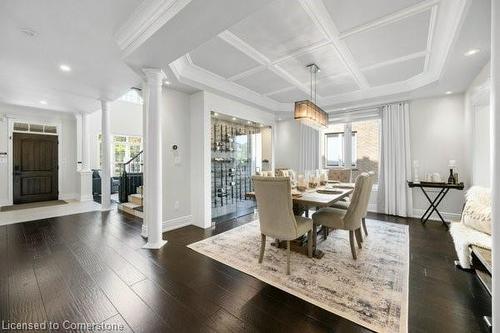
column 236, row 156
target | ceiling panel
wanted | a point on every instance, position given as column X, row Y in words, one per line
column 347, row 14
column 391, row 41
column 325, row 57
column 336, row 85
column 221, row 58
column 395, row 72
column 278, row 29
column 290, row 96
column 264, row 82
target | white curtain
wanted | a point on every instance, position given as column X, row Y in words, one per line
column 395, row 169
column 309, row 148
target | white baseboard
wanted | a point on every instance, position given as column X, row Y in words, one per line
column 86, row 198
column 171, row 224
column 68, row 196
column 177, row 223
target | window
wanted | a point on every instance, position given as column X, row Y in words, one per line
column 334, row 152
column 132, row 96
column 123, row 149
column 364, row 146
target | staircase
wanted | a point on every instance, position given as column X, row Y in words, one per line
column 131, row 198
column 134, row 205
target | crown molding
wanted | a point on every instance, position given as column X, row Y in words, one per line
column 148, row 18
column 391, row 18
column 205, row 80
column 442, row 32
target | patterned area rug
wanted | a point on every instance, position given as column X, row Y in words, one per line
column 371, row 291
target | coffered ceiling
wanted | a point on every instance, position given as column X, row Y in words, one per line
column 364, row 48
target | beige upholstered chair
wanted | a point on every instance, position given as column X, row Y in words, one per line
column 340, row 175
column 287, row 173
column 345, row 204
column 266, row 173
column 349, row 219
column 276, row 218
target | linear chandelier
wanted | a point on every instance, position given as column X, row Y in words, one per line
column 306, row 111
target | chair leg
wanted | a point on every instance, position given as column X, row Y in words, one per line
column 325, row 232
column 310, row 244
column 359, row 237
column 315, row 236
column 262, row 247
column 351, row 241
column 364, row 226
column 287, row 257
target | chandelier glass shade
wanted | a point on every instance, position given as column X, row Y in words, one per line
column 307, row 111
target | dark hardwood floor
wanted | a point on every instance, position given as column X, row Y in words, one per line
column 90, row 268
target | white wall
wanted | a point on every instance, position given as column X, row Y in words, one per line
column 176, row 173
column 437, row 129
column 267, row 144
column 477, row 122
column 69, row 179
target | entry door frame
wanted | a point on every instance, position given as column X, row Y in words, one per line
column 10, row 150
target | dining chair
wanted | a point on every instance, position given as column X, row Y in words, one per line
column 342, row 175
column 347, row 219
column 345, row 204
column 276, row 218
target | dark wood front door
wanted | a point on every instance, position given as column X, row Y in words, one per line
column 35, row 167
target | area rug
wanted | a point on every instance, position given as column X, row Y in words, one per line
column 32, row 205
column 371, row 291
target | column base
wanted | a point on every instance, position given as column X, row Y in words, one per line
column 155, row 246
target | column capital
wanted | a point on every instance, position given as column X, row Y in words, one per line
column 154, row 76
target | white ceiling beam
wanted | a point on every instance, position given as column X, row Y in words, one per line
column 305, row 50
column 391, row 18
column 397, row 60
column 279, row 91
column 251, row 52
column 247, row 73
column 244, row 47
column 148, row 18
column 319, row 14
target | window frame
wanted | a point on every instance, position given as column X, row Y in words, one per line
column 127, row 156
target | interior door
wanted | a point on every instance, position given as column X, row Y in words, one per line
column 35, row 167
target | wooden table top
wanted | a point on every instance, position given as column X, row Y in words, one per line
column 322, row 196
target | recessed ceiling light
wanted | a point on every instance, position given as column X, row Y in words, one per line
column 471, row 52
column 65, row 68
column 449, row 92
column 43, row 102
column 166, row 82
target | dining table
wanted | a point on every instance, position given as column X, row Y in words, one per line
column 312, row 198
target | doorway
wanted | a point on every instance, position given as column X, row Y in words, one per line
column 35, row 167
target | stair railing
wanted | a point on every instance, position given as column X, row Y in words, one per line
column 125, row 178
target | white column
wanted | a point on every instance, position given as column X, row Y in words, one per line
column 495, row 160
column 106, row 158
column 85, row 173
column 153, row 160
column 145, row 104
column 85, row 142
